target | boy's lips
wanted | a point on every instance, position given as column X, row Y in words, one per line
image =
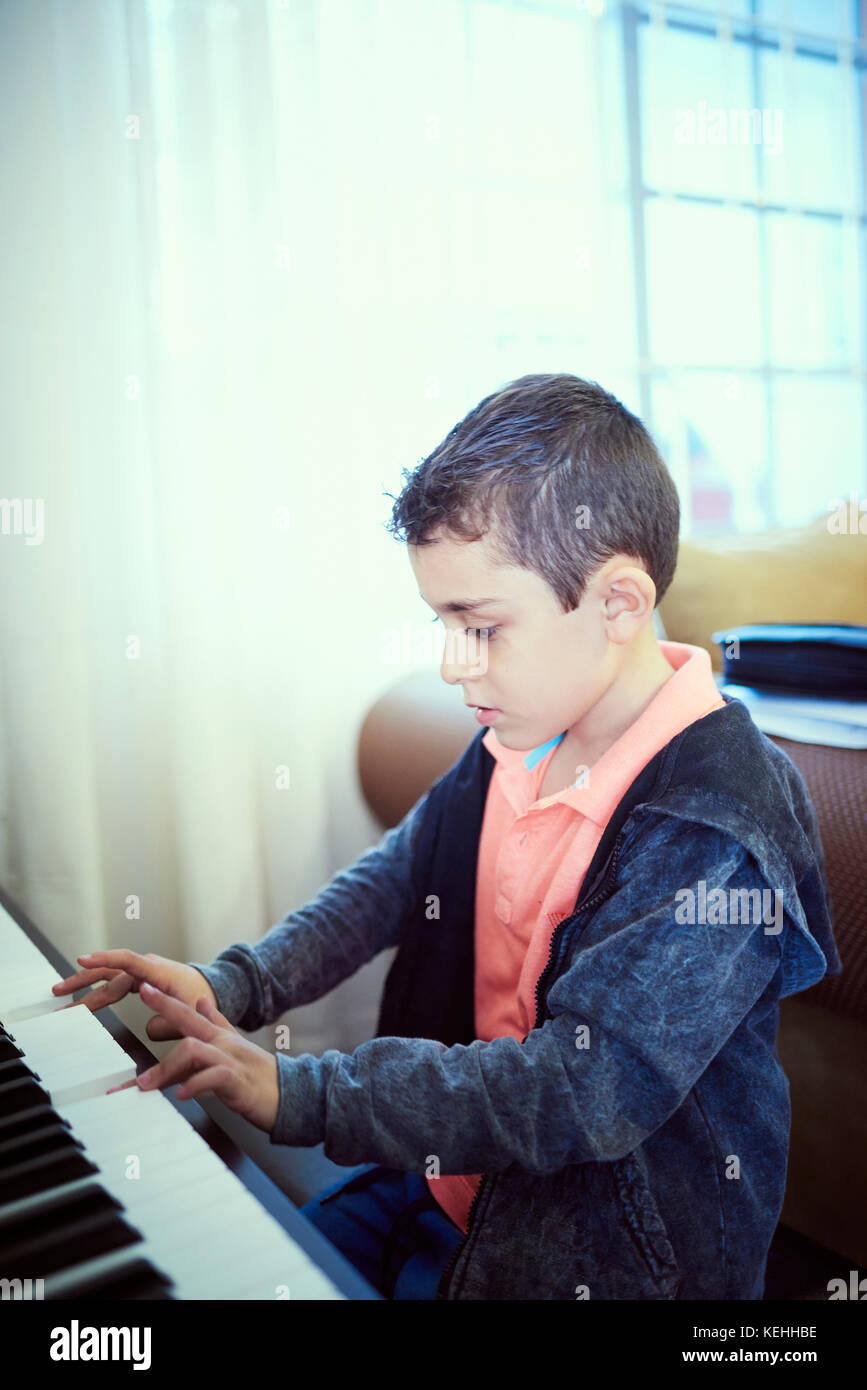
column 486, row 714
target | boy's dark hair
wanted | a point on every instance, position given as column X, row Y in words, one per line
column 520, row 464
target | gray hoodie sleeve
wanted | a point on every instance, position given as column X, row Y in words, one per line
column 660, row 998
column 361, row 911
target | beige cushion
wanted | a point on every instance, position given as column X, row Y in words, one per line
column 801, row 575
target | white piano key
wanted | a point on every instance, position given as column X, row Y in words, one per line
column 74, row 1055
column 25, row 972
column 32, row 1005
column 200, row 1225
column 26, row 992
column 27, row 977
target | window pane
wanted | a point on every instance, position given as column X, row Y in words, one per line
column 711, row 8
column 830, row 17
column 819, row 430
column 711, row 429
column 818, row 159
column 695, row 97
column 814, row 305
column 703, row 292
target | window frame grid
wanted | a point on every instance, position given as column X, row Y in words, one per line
column 755, row 32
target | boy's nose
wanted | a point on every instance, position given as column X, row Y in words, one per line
column 463, row 657
column 450, row 671
column 464, row 665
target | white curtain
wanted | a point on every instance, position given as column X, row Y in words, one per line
column 258, row 257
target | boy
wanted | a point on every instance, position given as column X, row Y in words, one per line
column 574, row 1090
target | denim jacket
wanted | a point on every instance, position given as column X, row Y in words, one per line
column 634, row 1144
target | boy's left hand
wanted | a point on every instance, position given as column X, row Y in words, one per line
column 212, row 1056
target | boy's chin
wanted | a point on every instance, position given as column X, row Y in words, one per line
column 510, row 735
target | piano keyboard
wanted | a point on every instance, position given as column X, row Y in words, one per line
column 116, row 1196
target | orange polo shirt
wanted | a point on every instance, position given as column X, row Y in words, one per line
column 533, row 856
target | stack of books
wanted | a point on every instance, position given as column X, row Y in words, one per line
column 800, row 681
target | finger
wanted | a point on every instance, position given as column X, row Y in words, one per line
column 124, row 1087
column 189, row 1056
column 139, row 967
column 223, row 1080
column 209, row 1009
column 108, row 994
column 116, row 989
column 160, row 1031
column 175, row 1011
column 82, row 978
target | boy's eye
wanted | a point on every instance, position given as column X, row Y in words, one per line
column 488, row 630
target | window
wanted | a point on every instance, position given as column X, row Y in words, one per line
column 745, row 131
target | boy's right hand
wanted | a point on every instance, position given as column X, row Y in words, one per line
column 124, row 971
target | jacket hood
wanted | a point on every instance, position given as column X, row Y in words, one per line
column 724, row 772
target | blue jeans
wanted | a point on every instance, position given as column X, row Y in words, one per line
column 389, row 1227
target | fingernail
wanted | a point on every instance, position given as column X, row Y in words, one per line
column 89, row 956
column 145, row 1078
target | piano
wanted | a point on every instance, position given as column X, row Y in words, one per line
column 133, row 1195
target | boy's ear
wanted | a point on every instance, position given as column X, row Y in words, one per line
column 627, row 592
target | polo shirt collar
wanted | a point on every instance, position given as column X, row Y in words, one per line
column 690, row 693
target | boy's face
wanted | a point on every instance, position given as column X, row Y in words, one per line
column 539, row 670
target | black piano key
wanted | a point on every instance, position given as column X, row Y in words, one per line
column 87, row 1224
column 51, row 1138
column 15, row 1070
column 29, row 1121
column 8, row 1049
column 43, row 1173
column 83, row 1241
column 21, row 1095
column 140, row 1279
column 54, row 1209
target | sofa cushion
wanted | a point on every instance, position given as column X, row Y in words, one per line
column 836, row 779
column 806, row 574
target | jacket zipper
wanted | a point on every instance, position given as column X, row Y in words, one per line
column 450, row 1267
column 556, row 937
column 557, row 934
